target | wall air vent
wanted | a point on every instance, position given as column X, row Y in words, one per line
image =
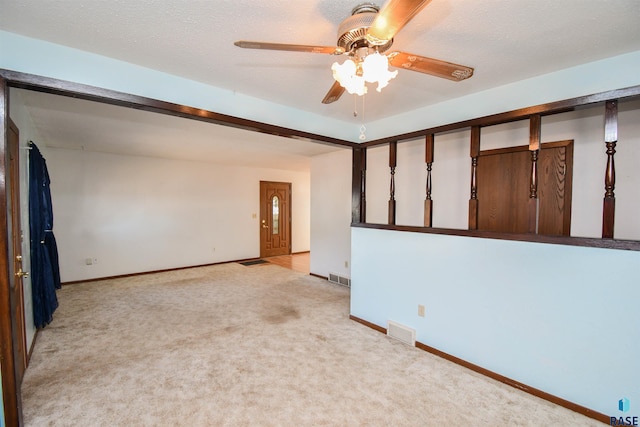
column 339, row 280
column 401, row 333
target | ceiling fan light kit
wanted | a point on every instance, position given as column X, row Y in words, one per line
column 364, row 37
column 373, row 69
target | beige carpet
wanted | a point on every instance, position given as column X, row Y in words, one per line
column 230, row 345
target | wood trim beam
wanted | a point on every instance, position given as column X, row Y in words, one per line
column 515, row 115
column 107, row 96
column 498, row 377
column 628, row 245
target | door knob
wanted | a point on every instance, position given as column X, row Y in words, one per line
column 21, row 273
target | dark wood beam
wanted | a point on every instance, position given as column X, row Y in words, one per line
column 515, row 115
column 107, row 96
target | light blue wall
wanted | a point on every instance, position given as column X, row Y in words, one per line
column 42, row 58
column 594, row 77
column 562, row 319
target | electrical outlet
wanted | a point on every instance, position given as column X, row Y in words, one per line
column 346, row 264
column 88, row 261
column 421, row 310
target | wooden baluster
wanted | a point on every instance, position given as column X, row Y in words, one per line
column 358, row 185
column 534, row 149
column 473, row 201
column 610, row 139
column 393, row 150
column 428, row 203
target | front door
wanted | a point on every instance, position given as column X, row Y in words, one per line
column 275, row 218
column 12, row 348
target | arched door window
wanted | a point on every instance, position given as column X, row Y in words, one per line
column 275, row 215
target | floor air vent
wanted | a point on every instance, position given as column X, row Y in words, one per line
column 340, row 280
column 401, row 333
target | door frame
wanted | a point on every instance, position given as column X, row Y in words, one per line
column 11, row 398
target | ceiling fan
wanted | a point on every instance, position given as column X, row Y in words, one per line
column 364, row 37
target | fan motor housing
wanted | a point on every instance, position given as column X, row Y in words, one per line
column 352, row 32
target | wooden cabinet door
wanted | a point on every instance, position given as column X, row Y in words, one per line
column 503, row 189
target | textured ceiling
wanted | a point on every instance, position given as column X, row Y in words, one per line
column 504, row 40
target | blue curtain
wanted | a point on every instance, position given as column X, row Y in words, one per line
column 45, row 272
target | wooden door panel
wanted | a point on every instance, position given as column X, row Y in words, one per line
column 554, row 191
column 17, row 290
column 503, row 192
column 503, row 181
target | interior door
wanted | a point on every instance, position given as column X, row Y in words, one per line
column 275, row 218
column 503, row 189
column 17, row 290
column 10, row 289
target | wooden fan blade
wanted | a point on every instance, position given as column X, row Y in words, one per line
column 334, row 93
column 435, row 67
column 394, row 15
column 332, row 50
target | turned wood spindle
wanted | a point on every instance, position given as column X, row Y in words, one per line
column 534, row 149
column 473, row 201
column 358, row 185
column 428, row 203
column 393, row 150
column 610, row 139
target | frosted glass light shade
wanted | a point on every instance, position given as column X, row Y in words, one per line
column 374, row 69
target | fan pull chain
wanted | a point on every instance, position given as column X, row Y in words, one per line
column 363, row 129
column 355, row 105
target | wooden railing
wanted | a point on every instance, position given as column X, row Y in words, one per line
column 534, row 115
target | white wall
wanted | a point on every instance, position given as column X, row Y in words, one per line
column 136, row 214
column 331, row 213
